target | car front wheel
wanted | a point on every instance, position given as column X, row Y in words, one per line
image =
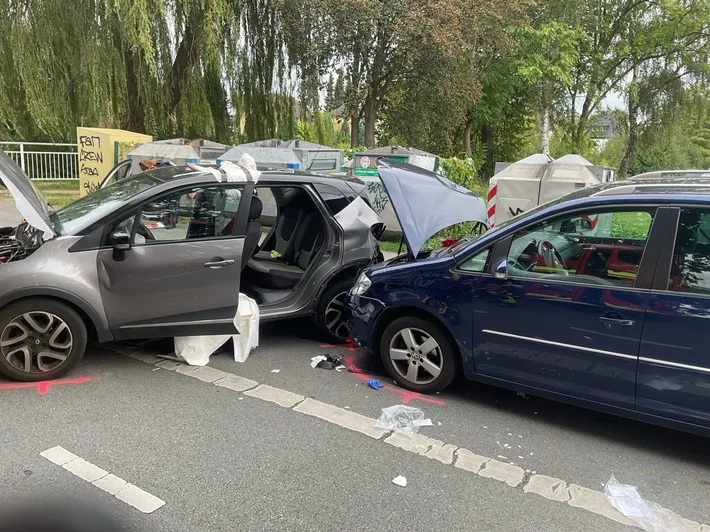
column 40, row 339
column 418, row 355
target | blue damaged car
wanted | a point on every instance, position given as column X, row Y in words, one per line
column 599, row 299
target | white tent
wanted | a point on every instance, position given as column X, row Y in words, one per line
column 537, row 179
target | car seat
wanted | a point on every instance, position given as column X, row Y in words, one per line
column 253, row 232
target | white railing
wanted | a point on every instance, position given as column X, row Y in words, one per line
column 44, row 160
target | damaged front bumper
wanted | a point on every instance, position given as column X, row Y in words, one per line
column 361, row 313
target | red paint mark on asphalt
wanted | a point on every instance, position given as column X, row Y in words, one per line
column 349, row 345
column 405, row 396
column 42, row 386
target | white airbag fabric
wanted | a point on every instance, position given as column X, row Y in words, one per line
column 196, row 350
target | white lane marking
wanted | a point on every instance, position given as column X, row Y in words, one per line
column 236, row 383
column 110, row 484
column 514, row 476
column 85, row 470
column 548, row 487
column 116, row 486
column 508, row 473
column 139, row 499
column 275, row 395
column 341, row 417
column 58, row 455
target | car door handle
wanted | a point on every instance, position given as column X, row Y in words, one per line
column 616, row 322
column 217, row 263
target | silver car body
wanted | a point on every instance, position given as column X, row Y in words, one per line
column 166, row 290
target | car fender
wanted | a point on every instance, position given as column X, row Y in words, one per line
column 99, row 324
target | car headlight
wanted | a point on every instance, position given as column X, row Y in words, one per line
column 361, row 286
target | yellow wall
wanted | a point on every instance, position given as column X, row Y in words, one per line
column 99, row 150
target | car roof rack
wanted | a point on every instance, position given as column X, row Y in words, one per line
column 670, row 175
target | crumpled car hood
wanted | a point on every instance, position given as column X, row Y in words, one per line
column 426, row 203
column 30, row 203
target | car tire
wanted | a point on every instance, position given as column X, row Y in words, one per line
column 51, row 332
column 410, row 367
column 331, row 306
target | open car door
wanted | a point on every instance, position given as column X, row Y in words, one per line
column 172, row 267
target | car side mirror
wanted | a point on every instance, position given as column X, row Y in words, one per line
column 500, row 269
column 121, row 242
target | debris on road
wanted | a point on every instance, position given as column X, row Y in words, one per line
column 375, row 384
column 339, row 368
column 650, row 516
column 400, row 481
column 404, row 418
column 327, row 361
column 317, row 360
column 275, row 371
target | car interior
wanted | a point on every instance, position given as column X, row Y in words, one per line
column 292, row 234
column 568, row 249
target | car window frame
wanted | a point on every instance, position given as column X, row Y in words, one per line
column 665, row 258
column 649, row 257
column 239, row 230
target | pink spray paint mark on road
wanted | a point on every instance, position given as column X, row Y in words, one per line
column 42, row 386
column 405, row 396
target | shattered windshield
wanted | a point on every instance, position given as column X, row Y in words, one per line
column 92, row 207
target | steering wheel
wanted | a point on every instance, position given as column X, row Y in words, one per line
column 144, row 231
column 551, row 257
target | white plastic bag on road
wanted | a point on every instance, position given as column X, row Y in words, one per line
column 196, row 350
column 650, row 516
column 405, row 418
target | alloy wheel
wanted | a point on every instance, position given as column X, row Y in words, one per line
column 334, row 316
column 416, row 356
column 36, row 342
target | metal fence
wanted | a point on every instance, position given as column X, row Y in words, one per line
column 44, row 160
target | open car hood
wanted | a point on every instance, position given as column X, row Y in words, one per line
column 28, row 200
column 426, row 203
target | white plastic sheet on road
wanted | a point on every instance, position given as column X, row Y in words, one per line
column 649, row 516
column 196, row 350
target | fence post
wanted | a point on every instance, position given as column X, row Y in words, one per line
column 22, row 156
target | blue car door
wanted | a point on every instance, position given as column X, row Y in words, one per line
column 566, row 311
column 674, row 363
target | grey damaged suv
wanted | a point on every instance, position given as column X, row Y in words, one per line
column 166, row 253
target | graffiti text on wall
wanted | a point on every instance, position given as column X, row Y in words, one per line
column 90, row 155
column 378, row 196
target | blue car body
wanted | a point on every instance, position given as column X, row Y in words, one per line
column 635, row 345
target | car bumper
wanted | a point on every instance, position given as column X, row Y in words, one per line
column 361, row 313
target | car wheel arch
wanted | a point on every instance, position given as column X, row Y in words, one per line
column 350, row 270
column 93, row 322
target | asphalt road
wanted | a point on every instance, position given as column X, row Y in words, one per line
column 223, row 460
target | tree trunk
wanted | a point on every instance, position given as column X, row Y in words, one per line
column 489, row 165
column 467, row 139
column 135, row 120
column 354, row 130
column 184, row 59
column 582, row 123
column 370, row 119
column 633, row 126
column 545, row 130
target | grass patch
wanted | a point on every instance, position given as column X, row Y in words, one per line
column 58, row 193
column 67, row 185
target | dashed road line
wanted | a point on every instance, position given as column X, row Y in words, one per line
column 132, row 495
column 550, row 488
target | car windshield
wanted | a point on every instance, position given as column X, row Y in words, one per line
column 94, row 206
